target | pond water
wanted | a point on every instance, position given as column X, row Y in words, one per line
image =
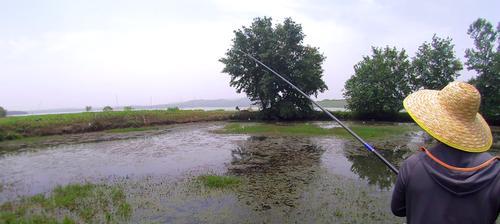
column 285, row 178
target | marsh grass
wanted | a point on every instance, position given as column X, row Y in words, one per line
column 274, row 129
column 308, row 129
column 215, row 181
column 53, row 124
column 74, row 203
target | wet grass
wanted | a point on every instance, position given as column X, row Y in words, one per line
column 274, row 129
column 53, row 124
column 74, row 203
column 215, row 181
column 308, row 129
column 374, row 131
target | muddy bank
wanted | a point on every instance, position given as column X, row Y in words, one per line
column 12, row 128
column 72, row 139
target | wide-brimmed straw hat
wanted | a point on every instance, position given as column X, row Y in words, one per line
column 451, row 116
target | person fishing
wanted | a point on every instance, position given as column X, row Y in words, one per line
column 456, row 180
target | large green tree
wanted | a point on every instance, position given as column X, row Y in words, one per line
column 280, row 47
column 435, row 64
column 380, row 83
column 3, row 112
column 484, row 58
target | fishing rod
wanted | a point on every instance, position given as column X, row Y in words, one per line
column 367, row 146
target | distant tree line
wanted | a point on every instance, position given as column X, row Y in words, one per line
column 381, row 81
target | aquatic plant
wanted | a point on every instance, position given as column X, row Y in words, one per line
column 74, row 203
column 215, row 181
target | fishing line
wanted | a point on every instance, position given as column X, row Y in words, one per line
column 367, row 146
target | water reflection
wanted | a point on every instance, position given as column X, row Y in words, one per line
column 396, row 149
column 276, row 169
column 370, row 168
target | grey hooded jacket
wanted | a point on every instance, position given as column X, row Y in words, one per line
column 427, row 192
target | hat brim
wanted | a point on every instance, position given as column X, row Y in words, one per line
column 467, row 135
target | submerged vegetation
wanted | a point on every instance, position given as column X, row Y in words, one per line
column 216, row 181
column 74, row 203
column 309, row 129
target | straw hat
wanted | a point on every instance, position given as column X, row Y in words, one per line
column 451, row 116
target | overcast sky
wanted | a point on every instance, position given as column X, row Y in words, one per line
column 69, row 54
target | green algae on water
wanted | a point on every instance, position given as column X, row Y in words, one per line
column 215, row 181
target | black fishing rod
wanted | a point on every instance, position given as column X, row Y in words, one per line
column 367, row 146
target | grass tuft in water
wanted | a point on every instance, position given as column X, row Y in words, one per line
column 215, row 181
column 74, row 203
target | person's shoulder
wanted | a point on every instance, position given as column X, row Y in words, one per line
column 412, row 161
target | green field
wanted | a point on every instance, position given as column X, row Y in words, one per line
column 55, row 124
column 308, row 129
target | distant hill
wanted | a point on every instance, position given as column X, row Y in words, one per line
column 10, row 113
column 217, row 103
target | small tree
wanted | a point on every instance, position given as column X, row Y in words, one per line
column 88, row 108
column 435, row 64
column 107, row 109
column 173, row 109
column 3, row 112
column 128, row 108
column 379, row 84
column 281, row 47
column 484, row 58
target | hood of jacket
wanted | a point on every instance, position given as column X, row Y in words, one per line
column 458, row 182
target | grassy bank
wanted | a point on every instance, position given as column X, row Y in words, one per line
column 75, row 203
column 55, row 124
column 308, row 129
column 127, row 121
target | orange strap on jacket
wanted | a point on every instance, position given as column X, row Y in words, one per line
column 462, row 169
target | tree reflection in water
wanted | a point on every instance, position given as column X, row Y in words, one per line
column 276, row 169
column 368, row 167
